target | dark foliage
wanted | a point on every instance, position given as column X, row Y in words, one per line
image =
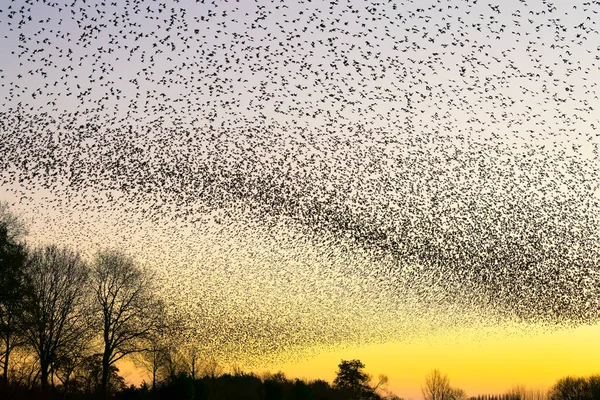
column 571, row 388
column 353, row 381
column 242, row 386
column 12, row 259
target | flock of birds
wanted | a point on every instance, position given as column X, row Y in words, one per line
column 307, row 174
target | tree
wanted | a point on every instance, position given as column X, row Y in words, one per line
column 211, row 368
column 12, row 261
column 191, row 359
column 56, row 308
column 162, row 357
column 127, row 307
column 70, row 361
column 571, row 388
column 352, row 380
column 15, row 225
column 593, row 384
column 458, row 394
column 437, row 387
column 88, row 375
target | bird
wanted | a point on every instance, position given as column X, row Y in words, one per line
column 286, row 167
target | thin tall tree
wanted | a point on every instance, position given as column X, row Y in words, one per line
column 12, row 259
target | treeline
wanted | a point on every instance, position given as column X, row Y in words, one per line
column 505, row 396
column 249, row 386
column 65, row 323
column 568, row 388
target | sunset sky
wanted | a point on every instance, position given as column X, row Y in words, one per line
column 414, row 184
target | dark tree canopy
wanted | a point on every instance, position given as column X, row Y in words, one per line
column 576, row 388
column 352, row 379
column 12, row 258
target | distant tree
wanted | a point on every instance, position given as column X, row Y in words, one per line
column 127, row 305
column 458, row 394
column 521, row 392
column 572, row 388
column 162, row 355
column 191, row 359
column 380, row 385
column 351, row 379
column 87, row 377
column 212, row 369
column 569, row 388
column 151, row 358
column 56, row 309
column 12, row 262
column 437, row 387
column 175, row 361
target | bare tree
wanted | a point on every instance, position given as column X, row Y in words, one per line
column 56, row 308
column 88, row 374
column 129, row 311
column 437, row 387
column 458, row 394
column 381, row 386
column 151, row 359
column 522, row 392
column 191, row 358
column 165, row 357
column 69, row 360
column 576, row 388
column 212, row 368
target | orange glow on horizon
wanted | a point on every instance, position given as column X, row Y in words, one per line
column 476, row 364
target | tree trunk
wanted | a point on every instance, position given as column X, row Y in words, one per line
column 105, row 370
column 153, row 378
column 6, row 340
column 44, row 376
column 4, row 379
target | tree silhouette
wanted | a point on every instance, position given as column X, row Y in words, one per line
column 56, row 310
column 16, row 227
column 88, row 376
column 12, row 259
column 353, row 380
column 127, row 307
column 571, row 388
column 162, row 357
column 437, row 387
column 190, row 355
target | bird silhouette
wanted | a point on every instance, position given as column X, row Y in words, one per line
column 307, row 175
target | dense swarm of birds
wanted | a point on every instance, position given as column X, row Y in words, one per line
column 307, row 174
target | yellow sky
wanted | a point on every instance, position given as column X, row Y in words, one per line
column 479, row 360
column 477, row 364
column 474, row 363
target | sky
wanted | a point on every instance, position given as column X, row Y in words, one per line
column 414, row 184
